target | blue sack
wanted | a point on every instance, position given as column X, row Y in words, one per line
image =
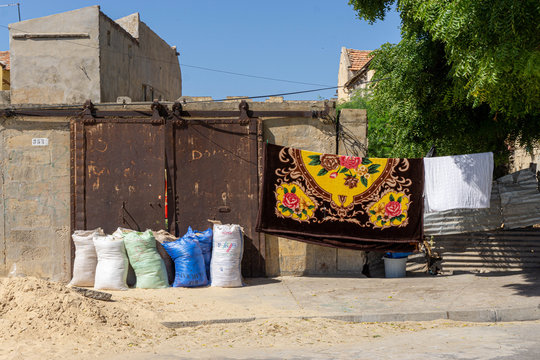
column 188, row 262
column 205, row 241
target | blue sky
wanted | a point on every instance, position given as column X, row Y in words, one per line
column 296, row 40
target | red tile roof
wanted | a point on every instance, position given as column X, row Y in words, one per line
column 358, row 58
column 4, row 59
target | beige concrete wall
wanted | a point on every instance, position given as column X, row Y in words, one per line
column 353, row 137
column 132, row 55
column 54, row 70
column 35, row 198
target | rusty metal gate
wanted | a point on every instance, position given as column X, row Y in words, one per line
column 216, row 179
column 119, row 164
column 117, row 172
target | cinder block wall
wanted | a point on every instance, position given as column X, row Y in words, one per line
column 34, row 198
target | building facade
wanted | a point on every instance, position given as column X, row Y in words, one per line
column 82, row 54
column 353, row 72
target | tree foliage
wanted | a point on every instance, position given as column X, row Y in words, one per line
column 465, row 76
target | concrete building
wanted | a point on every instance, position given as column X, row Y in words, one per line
column 82, row 54
column 353, row 72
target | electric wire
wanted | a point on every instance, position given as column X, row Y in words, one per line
column 175, row 62
column 192, row 66
column 78, row 106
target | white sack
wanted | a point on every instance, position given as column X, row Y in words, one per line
column 226, row 263
column 112, row 267
column 84, row 265
column 131, row 277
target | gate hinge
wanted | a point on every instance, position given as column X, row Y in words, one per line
column 159, row 113
column 244, row 117
column 176, row 114
column 88, row 113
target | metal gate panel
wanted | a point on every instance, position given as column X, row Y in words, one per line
column 217, row 179
column 118, row 175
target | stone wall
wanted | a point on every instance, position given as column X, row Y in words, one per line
column 35, row 198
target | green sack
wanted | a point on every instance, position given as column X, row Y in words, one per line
column 143, row 256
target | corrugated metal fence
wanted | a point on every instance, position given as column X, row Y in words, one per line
column 494, row 239
column 515, row 203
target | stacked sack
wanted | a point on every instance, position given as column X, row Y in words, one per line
column 228, row 248
column 112, row 264
column 188, row 257
column 84, row 265
column 205, row 242
column 102, row 261
column 150, row 270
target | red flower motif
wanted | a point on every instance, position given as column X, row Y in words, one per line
column 393, row 209
column 333, row 175
column 291, row 200
column 350, row 162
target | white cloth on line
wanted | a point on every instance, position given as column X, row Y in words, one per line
column 458, row 182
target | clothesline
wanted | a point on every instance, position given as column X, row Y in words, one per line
column 365, row 203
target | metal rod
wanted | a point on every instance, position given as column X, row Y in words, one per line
column 18, row 8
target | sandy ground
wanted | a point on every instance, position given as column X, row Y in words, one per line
column 41, row 319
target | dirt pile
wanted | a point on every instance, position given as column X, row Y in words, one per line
column 45, row 311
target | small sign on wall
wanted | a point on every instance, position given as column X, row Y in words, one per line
column 40, row 142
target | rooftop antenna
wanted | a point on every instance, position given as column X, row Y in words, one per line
column 18, row 8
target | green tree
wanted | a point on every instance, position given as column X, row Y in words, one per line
column 465, row 76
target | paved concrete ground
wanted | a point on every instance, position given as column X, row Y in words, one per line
column 507, row 341
column 469, row 297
